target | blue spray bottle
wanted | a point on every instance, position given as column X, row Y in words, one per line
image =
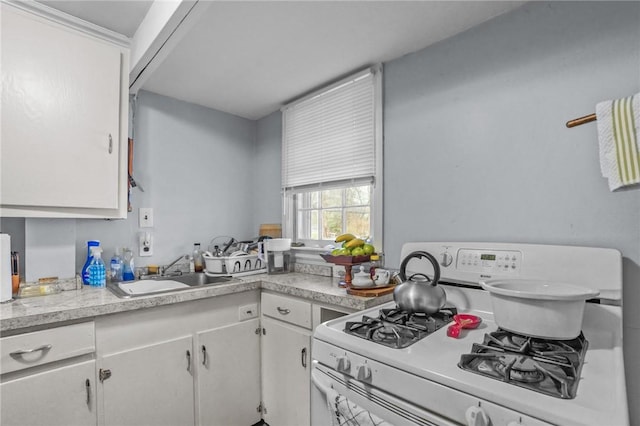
column 85, row 275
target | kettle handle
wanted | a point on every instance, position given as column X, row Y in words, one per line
column 420, row 254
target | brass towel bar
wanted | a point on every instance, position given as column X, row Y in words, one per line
column 582, row 120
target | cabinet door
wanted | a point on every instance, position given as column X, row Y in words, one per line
column 59, row 396
column 229, row 375
column 286, row 358
column 60, row 115
column 151, row 385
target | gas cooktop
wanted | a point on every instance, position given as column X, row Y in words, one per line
column 398, row 329
column 551, row 367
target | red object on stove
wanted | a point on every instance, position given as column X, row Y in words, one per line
column 462, row 321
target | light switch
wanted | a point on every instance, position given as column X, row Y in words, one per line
column 145, row 217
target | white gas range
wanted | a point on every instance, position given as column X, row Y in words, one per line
column 425, row 383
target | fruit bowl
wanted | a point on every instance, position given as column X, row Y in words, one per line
column 345, row 260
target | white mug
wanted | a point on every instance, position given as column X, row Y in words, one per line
column 381, row 276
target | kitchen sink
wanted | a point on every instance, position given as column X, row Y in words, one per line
column 157, row 284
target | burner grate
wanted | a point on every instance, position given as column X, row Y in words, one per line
column 398, row 329
column 551, row 367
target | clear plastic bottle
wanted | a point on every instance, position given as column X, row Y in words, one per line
column 127, row 266
column 115, row 267
column 198, row 261
column 96, row 270
column 84, row 275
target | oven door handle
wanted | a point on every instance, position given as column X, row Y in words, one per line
column 398, row 411
column 316, row 381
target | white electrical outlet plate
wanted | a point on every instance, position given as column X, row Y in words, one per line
column 145, row 243
column 248, row 311
column 145, row 217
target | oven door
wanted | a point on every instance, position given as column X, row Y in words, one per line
column 330, row 389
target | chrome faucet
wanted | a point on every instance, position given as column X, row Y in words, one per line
column 164, row 269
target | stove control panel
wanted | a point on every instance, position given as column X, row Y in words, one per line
column 492, row 262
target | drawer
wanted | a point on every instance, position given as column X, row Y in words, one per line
column 41, row 347
column 293, row 311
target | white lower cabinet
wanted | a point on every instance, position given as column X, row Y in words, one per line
column 229, row 375
column 151, row 385
column 192, row 363
column 286, row 358
column 48, row 377
column 62, row 396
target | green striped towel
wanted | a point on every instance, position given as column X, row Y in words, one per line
column 618, row 135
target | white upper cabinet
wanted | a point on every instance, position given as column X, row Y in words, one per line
column 63, row 150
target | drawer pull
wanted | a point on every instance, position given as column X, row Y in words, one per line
column 18, row 354
column 283, row 311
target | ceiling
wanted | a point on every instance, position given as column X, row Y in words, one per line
column 249, row 58
column 121, row 16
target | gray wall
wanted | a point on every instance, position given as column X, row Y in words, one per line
column 267, row 164
column 476, row 146
column 194, row 164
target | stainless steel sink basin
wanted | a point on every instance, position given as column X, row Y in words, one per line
column 200, row 279
column 157, row 284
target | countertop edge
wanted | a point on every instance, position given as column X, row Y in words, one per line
column 99, row 302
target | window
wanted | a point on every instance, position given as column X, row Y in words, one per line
column 332, row 162
column 325, row 214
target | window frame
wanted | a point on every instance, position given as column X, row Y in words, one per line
column 289, row 195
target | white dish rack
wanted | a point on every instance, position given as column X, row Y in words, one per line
column 234, row 266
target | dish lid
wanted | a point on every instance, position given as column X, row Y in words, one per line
column 538, row 289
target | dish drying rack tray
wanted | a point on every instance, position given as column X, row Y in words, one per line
column 234, row 266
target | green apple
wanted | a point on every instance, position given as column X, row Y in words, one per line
column 368, row 249
column 358, row 251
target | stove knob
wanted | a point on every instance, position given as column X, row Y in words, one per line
column 343, row 364
column 363, row 373
column 476, row 416
column 446, row 259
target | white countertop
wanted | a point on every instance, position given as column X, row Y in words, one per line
column 91, row 302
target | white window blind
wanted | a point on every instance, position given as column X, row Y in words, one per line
column 330, row 136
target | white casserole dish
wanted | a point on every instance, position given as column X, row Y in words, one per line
column 544, row 309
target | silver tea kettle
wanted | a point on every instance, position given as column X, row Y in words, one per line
column 419, row 294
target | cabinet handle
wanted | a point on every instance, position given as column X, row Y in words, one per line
column 303, row 353
column 283, row 311
column 87, row 385
column 204, row 355
column 188, row 361
column 18, row 354
column 110, row 144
